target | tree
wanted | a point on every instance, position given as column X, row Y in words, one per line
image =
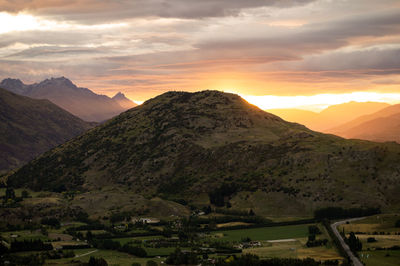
column 3, row 249
column 313, row 230
column 207, row 209
column 151, row 263
column 97, row 262
column 44, row 231
column 180, row 258
column 353, row 242
column 89, row 236
column 51, row 221
column 397, row 224
column 24, row 194
column 10, row 194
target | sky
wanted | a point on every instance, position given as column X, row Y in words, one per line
column 275, row 53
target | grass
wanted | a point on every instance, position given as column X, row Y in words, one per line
column 383, row 241
column 24, row 235
column 159, row 251
column 294, row 249
column 381, row 227
column 377, row 223
column 112, row 257
column 124, row 240
column 381, row 257
column 265, row 233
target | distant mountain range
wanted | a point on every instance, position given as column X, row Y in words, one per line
column 330, row 117
column 81, row 102
column 383, row 125
column 368, row 121
column 30, row 127
column 215, row 148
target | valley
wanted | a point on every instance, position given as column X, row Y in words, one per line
column 200, row 133
column 190, row 177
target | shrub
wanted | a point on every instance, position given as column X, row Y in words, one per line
column 151, row 263
column 397, row 224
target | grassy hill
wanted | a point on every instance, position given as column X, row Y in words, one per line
column 215, row 146
column 30, row 127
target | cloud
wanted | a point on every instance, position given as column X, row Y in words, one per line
column 99, row 10
column 188, row 44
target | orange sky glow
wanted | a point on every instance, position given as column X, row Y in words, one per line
column 306, row 54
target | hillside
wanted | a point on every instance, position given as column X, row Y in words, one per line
column 331, row 116
column 30, row 127
column 198, row 146
column 81, row 102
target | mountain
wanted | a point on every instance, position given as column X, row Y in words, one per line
column 81, row 102
column 300, row 116
column 383, row 125
column 330, row 117
column 121, row 99
column 338, row 114
column 30, row 127
column 215, row 147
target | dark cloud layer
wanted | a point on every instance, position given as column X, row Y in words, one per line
column 100, row 10
column 180, row 44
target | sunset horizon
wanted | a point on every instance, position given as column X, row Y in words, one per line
column 200, row 132
column 255, row 49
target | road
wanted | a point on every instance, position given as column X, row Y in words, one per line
column 354, row 259
column 85, row 254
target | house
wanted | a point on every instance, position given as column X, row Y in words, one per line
column 149, row 220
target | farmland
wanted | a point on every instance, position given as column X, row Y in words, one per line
column 380, row 239
column 264, row 233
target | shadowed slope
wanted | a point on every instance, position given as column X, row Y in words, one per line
column 30, row 127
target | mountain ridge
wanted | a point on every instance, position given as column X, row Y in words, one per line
column 123, row 101
column 81, row 102
column 344, row 129
column 331, row 116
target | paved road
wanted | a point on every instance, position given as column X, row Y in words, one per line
column 354, row 259
column 85, row 254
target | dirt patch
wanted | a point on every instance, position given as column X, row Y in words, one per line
column 60, row 237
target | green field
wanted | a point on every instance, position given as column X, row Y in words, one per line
column 124, row 240
column 112, row 257
column 382, row 228
column 381, row 257
column 377, row 223
column 24, row 235
column 159, row 251
column 295, row 249
column 264, row 233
